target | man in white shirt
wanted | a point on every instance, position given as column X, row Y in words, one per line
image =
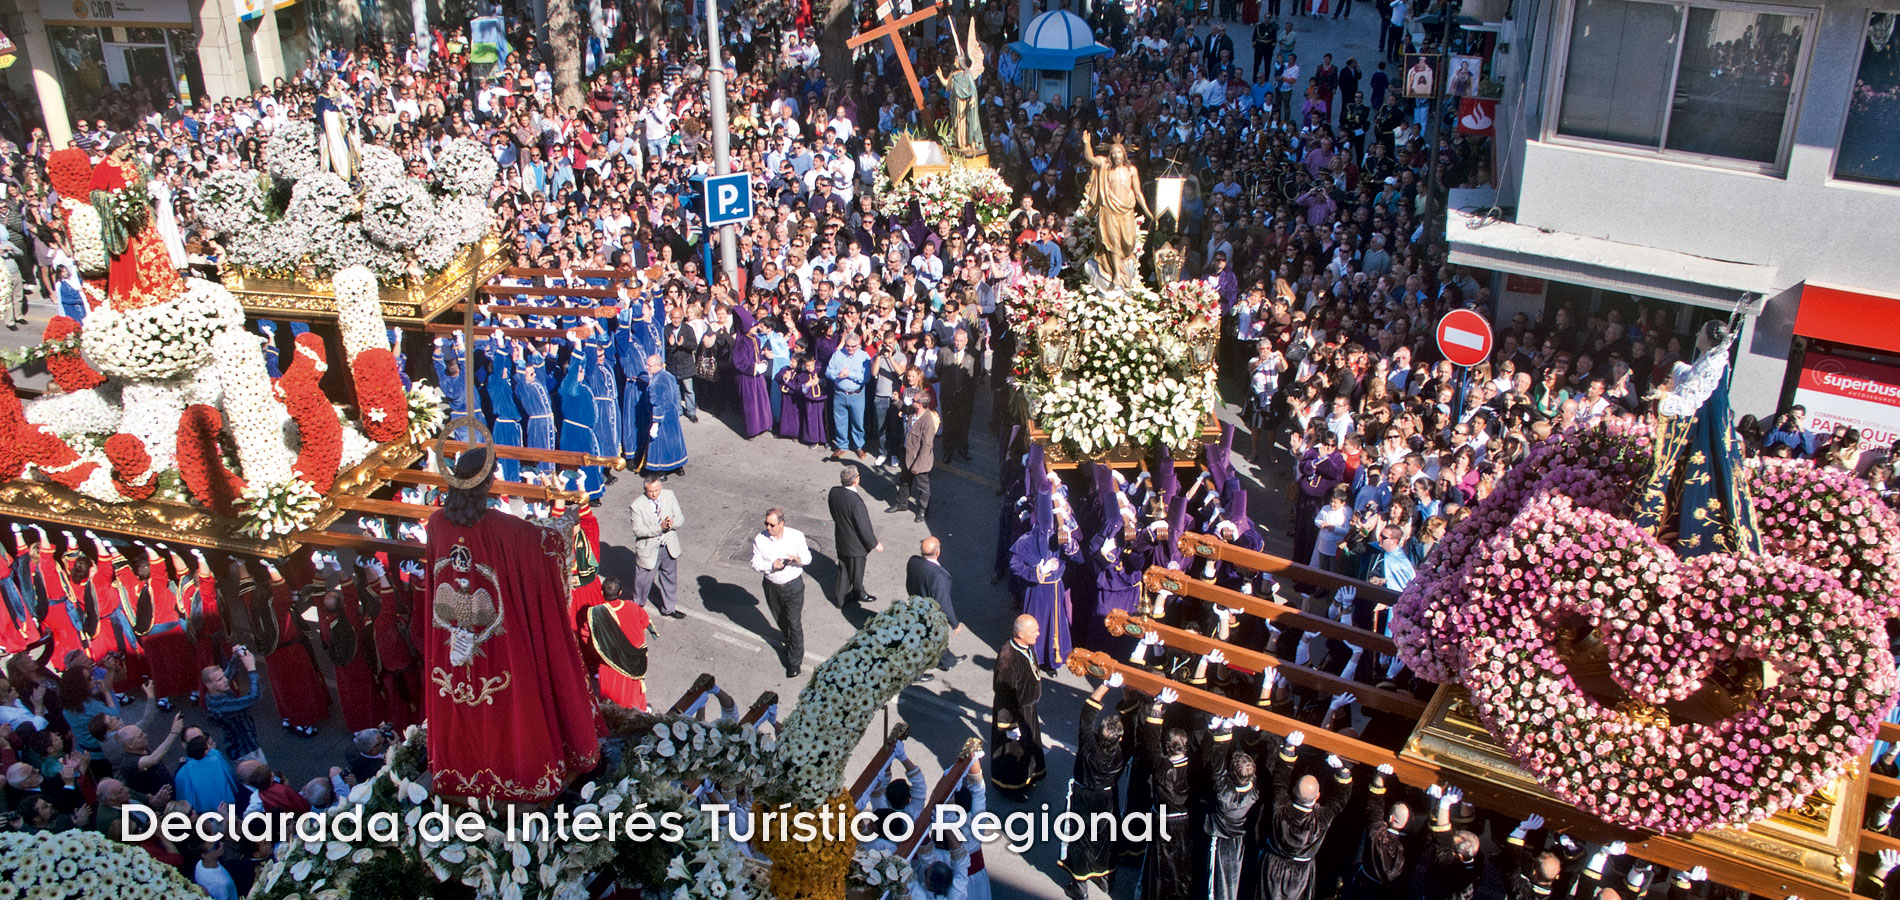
column 928, row 265
column 780, row 554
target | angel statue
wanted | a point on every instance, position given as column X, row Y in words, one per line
column 966, row 130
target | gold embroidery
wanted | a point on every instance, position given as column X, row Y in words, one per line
column 466, row 692
column 489, row 783
column 470, row 611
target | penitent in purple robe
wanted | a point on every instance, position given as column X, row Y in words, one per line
column 790, row 404
column 811, row 410
column 749, row 365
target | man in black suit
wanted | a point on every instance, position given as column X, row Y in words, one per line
column 1212, row 46
column 851, row 526
column 925, row 576
column 957, row 367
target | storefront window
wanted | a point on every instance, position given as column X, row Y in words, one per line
column 1716, row 82
column 1870, row 144
column 1732, row 88
column 1616, row 81
column 81, row 62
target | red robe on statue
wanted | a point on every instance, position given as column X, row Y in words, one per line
column 143, row 274
column 509, row 711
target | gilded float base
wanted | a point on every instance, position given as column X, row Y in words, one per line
column 408, row 302
column 192, row 526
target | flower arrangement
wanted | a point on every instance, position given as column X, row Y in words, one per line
column 53, row 457
column 1079, row 238
column 319, row 434
column 292, row 151
column 1128, row 375
column 428, row 411
column 875, row 871
column 201, row 461
column 1550, row 563
column 82, row 865
column 392, row 224
column 61, row 343
column 1835, row 522
column 377, row 165
column 132, row 473
column 230, row 201
column 845, row 691
column 85, row 230
column 359, row 311
column 398, row 214
column 1187, row 301
column 277, row 508
column 255, row 419
column 945, row 196
column 94, row 411
column 12, row 422
column 70, row 172
column 162, row 340
column 1081, row 415
column 379, row 395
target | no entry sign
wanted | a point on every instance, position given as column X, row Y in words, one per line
column 1464, row 337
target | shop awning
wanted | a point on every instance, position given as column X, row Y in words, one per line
column 1610, row 265
column 1854, row 318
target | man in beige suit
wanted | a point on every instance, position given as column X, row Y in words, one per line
column 657, row 519
column 920, row 455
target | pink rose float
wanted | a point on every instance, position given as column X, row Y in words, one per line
column 1645, row 683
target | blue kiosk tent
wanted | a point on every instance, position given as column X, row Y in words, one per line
column 1058, row 51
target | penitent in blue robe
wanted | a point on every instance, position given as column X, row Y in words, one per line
column 537, row 408
column 666, row 439
column 577, row 418
column 1045, row 596
column 631, row 355
column 506, row 422
column 601, row 382
column 455, row 387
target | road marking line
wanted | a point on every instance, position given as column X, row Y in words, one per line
column 748, row 645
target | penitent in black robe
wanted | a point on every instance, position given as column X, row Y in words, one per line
column 1094, row 789
column 1292, row 836
column 1167, row 871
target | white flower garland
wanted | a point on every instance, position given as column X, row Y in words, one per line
column 1129, row 374
column 152, row 409
column 252, row 416
column 86, row 234
column 877, row 871
column 98, row 484
column 1081, row 414
column 846, row 691
column 83, row 865
column 359, row 311
column 163, row 340
column 95, row 411
column 356, row 445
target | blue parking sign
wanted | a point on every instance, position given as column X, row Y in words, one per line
column 725, row 199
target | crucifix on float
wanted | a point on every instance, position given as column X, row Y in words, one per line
column 890, row 29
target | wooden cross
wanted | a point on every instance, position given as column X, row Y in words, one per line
column 890, row 29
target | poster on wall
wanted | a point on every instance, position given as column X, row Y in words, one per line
column 116, row 13
column 1840, row 391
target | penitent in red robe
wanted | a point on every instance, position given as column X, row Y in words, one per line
column 509, row 710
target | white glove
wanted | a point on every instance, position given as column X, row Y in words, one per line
column 1215, row 657
column 1150, row 637
column 1702, row 874
column 1239, row 720
column 1246, row 587
column 1169, row 695
column 1333, row 760
column 374, row 565
column 1207, row 571
column 1617, row 848
column 1294, row 740
column 1219, row 723
column 1385, row 768
column 1115, row 679
column 1346, row 595
column 1531, row 823
column 897, row 751
column 1344, row 700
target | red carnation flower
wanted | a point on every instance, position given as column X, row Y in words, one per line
column 201, row 463
column 68, row 369
column 12, row 423
column 379, row 396
column 70, row 171
column 131, row 466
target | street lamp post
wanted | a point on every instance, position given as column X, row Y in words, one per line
column 722, row 140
